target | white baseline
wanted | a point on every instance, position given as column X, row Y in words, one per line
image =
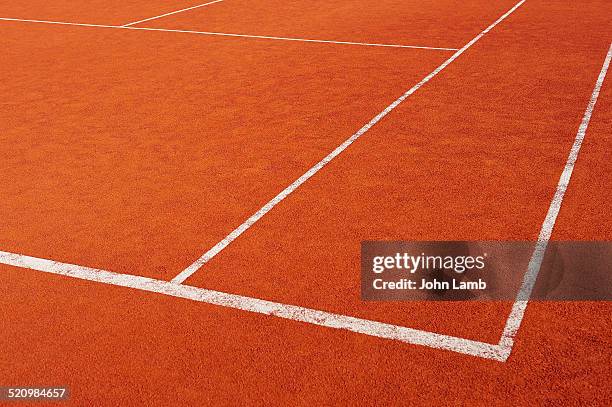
column 292, row 312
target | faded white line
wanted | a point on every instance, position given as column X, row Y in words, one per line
column 520, row 305
column 285, row 311
column 206, row 257
column 171, row 13
column 220, row 34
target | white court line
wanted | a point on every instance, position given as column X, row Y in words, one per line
column 267, row 37
column 291, row 312
column 206, row 257
column 498, row 352
column 171, row 13
column 520, row 305
column 262, row 37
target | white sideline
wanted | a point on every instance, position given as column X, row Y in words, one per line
column 206, row 257
column 220, row 34
column 171, row 13
column 520, row 305
column 292, row 312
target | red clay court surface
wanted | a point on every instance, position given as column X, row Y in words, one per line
column 186, row 186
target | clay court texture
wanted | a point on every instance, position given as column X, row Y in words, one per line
column 185, row 187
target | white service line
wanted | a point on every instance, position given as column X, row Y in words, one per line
column 520, row 305
column 268, row 37
column 292, row 312
column 206, row 257
column 171, row 13
column 220, row 34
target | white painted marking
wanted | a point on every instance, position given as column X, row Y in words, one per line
column 171, row 13
column 267, row 37
column 291, row 312
column 206, row 257
column 498, row 352
column 263, row 37
column 520, row 305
